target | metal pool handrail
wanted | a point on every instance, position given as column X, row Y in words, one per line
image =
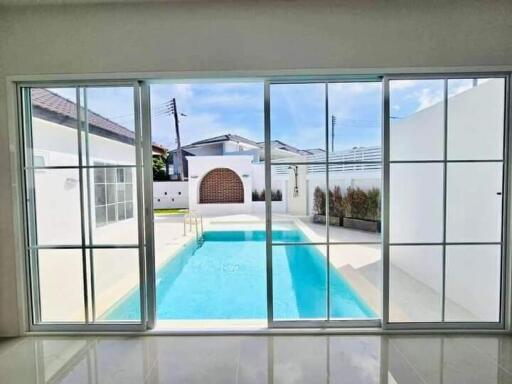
column 198, row 225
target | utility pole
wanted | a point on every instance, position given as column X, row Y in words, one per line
column 333, row 123
column 179, row 154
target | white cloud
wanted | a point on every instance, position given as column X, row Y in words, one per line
column 191, row 97
column 230, row 100
column 354, row 88
column 402, row 84
column 428, row 97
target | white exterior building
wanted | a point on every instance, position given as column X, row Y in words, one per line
column 112, row 190
column 296, row 190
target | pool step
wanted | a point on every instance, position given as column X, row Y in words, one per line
column 368, row 291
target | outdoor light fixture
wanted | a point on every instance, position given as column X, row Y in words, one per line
column 70, row 183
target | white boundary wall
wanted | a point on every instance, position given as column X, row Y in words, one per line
column 170, row 194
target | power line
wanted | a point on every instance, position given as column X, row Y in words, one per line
column 154, row 109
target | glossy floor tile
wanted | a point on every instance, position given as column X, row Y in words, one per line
column 257, row 359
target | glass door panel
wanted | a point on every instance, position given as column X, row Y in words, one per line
column 354, row 176
column 297, row 118
column 416, row 203
column 479, row 186
column 114, row 205
column 446, row 199
column 303, row 197
column 415, row 283
column 81, row 182
column 299, row 275
column 50, row 135
column 299, row 229
column 473, row 299
column 416, row 120
column 329, row 270
column 115, row 269
column 355, row 281
column 57, row 193
column 61, row 270
column 475, row 127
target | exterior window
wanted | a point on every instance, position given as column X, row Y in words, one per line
column 113, row 194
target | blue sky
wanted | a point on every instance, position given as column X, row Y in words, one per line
column 211, row 109
column 297, row 110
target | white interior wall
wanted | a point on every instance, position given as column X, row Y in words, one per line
column 346, row 36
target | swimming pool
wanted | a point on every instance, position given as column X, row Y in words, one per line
column 225, row 278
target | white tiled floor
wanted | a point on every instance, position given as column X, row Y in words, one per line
column 257, row 359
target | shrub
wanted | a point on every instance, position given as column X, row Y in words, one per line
column 336, row 204
column 276, row 195
column 356, row 203
column 159, row 168
column 319, row 201
column 373, row 204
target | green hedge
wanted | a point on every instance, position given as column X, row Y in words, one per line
column 355, row 203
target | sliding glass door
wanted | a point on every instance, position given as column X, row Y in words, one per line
column 326, row 242
column 446, row 170
column 279, row 203
column 82, row 167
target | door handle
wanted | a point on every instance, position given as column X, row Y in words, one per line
column 498, row 193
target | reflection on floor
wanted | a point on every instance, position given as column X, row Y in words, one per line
column 257, row 359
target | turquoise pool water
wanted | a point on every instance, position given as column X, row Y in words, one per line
column 224, row 278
